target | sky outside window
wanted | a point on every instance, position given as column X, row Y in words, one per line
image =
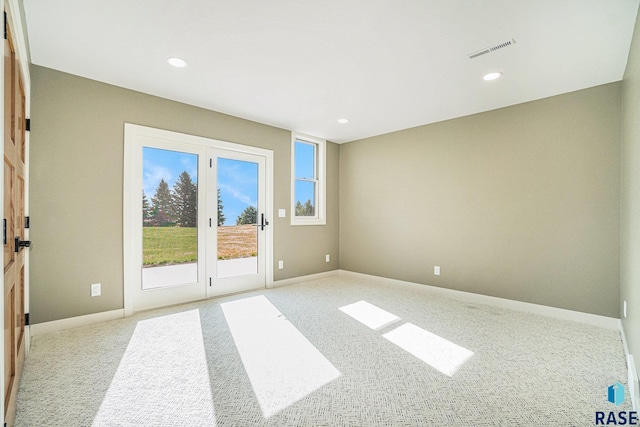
column 305, row 162
column 238, row 184
column 165, row 164
column 237, row 180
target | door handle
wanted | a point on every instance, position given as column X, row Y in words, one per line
column 262, row 224
column 21, row 244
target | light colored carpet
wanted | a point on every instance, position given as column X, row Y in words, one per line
column 331, row 352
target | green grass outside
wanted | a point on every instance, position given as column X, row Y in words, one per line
column 169, row 245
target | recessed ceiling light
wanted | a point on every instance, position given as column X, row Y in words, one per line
column 343, row 121
column 177, row 62
column 492, row 76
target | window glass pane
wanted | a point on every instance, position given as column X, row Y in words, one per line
column 305, row 160
column 169, row 218
column 308, row 187
column 237, row 216
column 305, row 197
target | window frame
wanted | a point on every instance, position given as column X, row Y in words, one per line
column 320, row 173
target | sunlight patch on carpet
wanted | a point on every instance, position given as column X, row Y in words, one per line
column 369, row 315
column 282, row 365
column 163, row 377
column 432, row 349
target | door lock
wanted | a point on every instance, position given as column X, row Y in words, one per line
column 22, row 244
column 262, row 224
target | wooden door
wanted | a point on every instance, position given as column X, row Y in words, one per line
column 13, row 226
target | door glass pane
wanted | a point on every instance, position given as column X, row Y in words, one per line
column 169, row 218
column 237, row 218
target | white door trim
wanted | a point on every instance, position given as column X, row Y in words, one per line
column 132, row 238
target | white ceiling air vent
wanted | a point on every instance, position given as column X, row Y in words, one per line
column 491, row 48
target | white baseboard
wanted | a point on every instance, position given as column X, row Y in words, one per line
column 634, row 388
column 89, row 319
column 74, row 322
column 300, row 279
column 559, row 313
column 543, row 310
column 624, row 339
column 633, row 383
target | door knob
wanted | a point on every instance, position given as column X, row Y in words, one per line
column 262, row 224
column 22, row 244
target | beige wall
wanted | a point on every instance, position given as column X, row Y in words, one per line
column 520, row 203
column 630, row 227
column 76, row 189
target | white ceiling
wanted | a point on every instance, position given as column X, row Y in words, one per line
column 301, row 65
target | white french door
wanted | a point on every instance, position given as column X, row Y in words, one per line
column 239, row 221
column 167, row 253
column 196, row 215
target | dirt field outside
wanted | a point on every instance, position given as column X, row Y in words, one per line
column 238, row 241
column 178, row 245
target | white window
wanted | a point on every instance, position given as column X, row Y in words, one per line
column 308, row 190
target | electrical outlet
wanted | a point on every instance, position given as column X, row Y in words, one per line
column 281, row 264
column 436, row 270
column 328, row 258
column 96, row 289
